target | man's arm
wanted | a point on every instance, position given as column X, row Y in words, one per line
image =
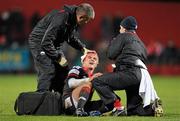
column 50, row 35
column 115, row 47
column 74, row 79
column 73, row 83
column 76, row 43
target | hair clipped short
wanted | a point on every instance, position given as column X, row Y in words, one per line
column 87, row 8
column 84, row 56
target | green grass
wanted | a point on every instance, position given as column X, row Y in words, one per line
column 11, row 85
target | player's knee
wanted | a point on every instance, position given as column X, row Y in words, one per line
column 89, row 85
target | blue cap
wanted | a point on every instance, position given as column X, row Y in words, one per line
column 129, row 23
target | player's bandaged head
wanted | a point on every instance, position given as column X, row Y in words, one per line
column 129, row 23
column 85, row 55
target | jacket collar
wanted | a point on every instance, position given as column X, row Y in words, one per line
column 72, row 15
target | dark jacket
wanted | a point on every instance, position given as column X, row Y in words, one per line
column 125, row 49
column 52, row 30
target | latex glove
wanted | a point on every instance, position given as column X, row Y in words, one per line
column 87, row 50
column 63, row 61
column 113, row 65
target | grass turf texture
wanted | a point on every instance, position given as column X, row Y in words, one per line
column 11, row 85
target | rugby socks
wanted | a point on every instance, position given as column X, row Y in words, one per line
column 83, row 96
column 117, row 104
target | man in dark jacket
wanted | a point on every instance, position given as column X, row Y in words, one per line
column 130, row 74
column 46, row 39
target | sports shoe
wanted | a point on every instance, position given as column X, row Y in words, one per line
column 158, row 110
column 95, row 113
column 119, row 112
column 81, row 112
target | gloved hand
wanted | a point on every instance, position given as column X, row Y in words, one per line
column 62, row 61
column 87, row 50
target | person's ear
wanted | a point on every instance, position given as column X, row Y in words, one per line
column 81, row 17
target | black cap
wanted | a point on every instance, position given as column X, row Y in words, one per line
column 129, row 23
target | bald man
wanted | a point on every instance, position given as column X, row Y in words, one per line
column 47, row 38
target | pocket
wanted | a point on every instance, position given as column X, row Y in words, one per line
column 44, row 59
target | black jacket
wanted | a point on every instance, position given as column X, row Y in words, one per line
column 52, row 30
column 125, row 49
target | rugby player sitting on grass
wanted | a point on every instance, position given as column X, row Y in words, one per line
column 78, row 90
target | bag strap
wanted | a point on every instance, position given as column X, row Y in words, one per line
column 39, row 104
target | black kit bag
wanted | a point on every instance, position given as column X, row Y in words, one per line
column 38, row 103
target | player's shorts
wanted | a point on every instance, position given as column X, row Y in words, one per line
column 70, row 105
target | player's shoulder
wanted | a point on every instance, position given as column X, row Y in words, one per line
column 75, row 70
column 124, row 37
column 77, row 67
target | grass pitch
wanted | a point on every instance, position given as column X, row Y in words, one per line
column 168, row 89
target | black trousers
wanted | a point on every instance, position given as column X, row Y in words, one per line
column 51, row 75
column 128, row 79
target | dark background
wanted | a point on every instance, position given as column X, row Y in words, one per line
column 158, row 27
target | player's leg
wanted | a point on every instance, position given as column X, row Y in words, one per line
column 81, row 96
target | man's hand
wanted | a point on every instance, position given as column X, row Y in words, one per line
column 63, row 61
column 95, row 76
column 87, row 50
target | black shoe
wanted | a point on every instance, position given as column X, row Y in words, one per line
column 119, row 112
column 81, row 112
column 157, row 106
